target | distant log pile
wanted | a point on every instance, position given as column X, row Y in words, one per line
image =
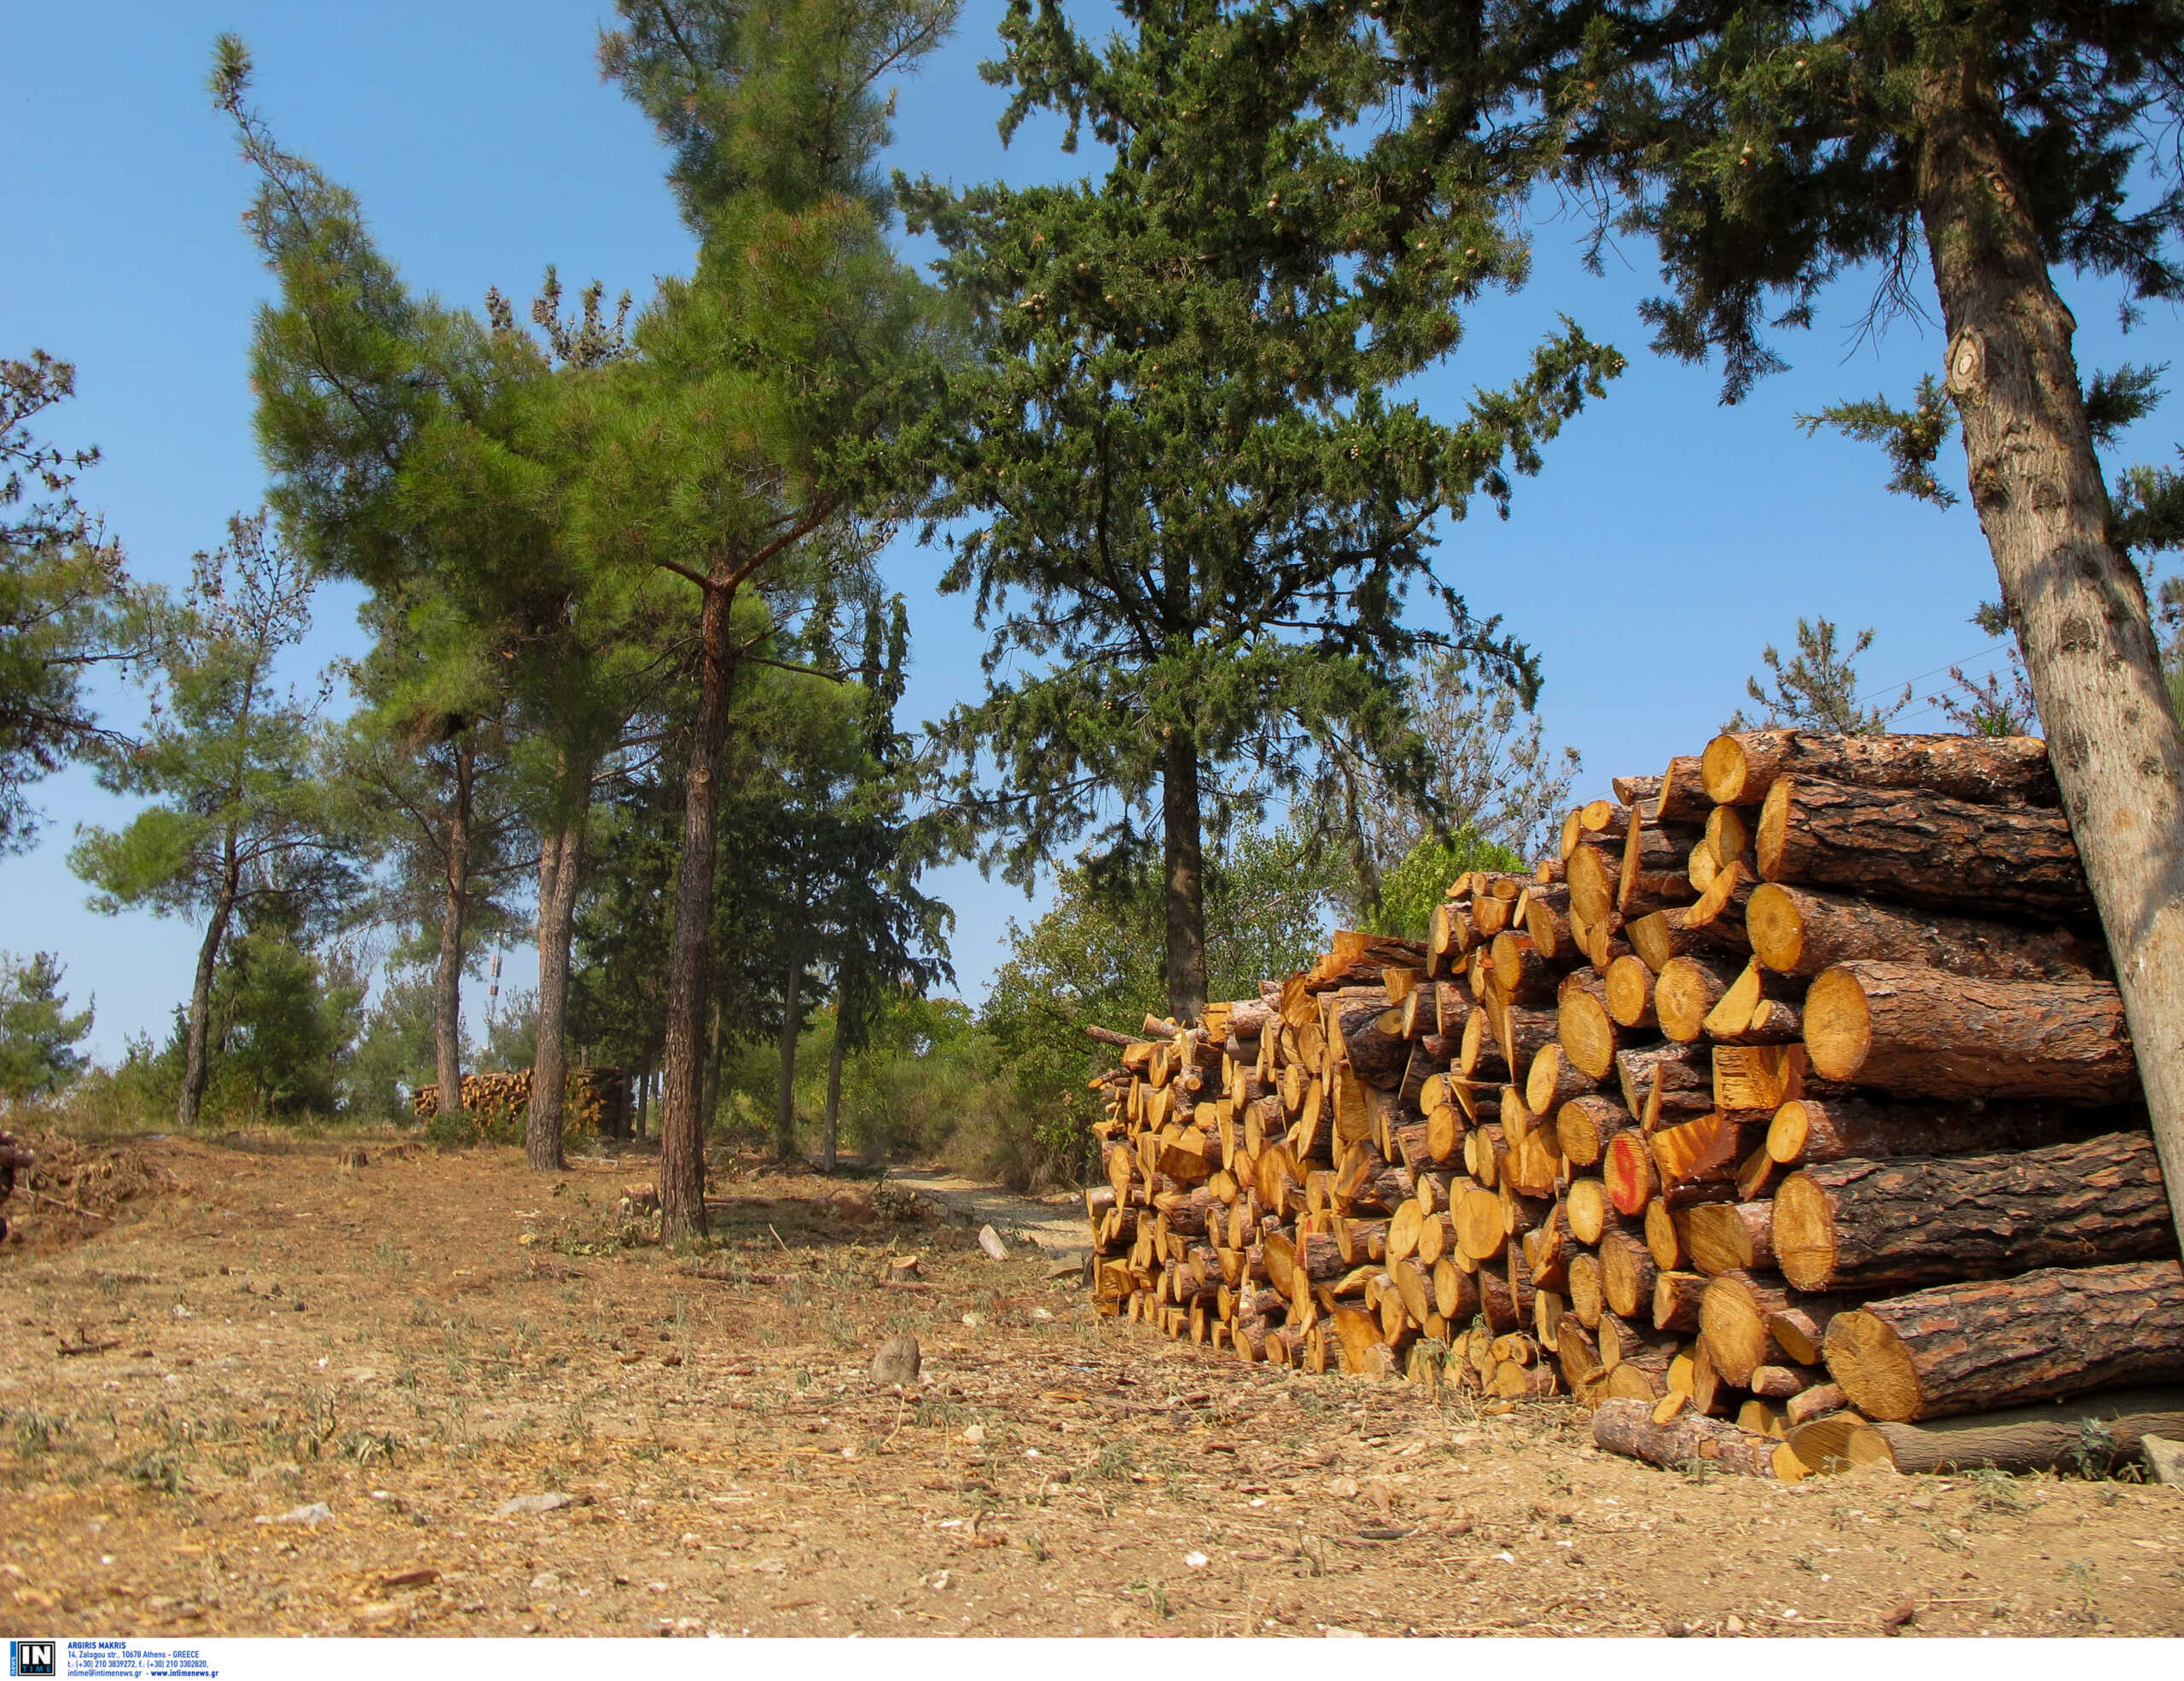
column 1790, row 1106
column 15, row 1157
column 598, row 1102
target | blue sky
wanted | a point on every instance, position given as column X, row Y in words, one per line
column 1667, row 539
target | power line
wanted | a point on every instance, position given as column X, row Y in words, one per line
column 1891, row 687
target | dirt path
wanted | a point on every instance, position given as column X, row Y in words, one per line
column 414, row 1344
column 1053, row 1226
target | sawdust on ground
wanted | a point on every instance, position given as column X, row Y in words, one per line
column 412, row 1344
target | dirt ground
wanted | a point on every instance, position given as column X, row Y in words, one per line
column 413, row 1343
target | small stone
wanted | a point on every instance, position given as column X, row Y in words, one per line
column 2165, row 1459
column 692, row 1542
column 974, row 1433
column 898, row 1361
column 1343, row 1488
column 989, row 1241
column 940, row 1581
column 546, row 1581
column 1196, row 1560
column 316, row 1513
column 1735, row 1625
column 523, row 1504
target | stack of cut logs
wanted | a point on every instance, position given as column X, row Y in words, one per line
column 597, row 1104
column 16, row 1156
column 1790, row 1105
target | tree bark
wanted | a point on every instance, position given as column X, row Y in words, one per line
column 833, row 1093
column 1741, row 769
column 196, row 1068
column 560, row 857
column 2078, row 603
column 1810, row 1130
column 1627, row 1426
column 2007, row 1342
column 1918, row 1033
column 1923, row 849
column 454, row 905
column 690, row 969
column 1183, row 875
column 1797, row 931
column 1891, row 1225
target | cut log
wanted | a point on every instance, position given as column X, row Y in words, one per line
column 1817, row 1402
column 1629, row 993
column 1676, row 1300
column 1732, row 1320
column 1584, row 1027
column 1664, row 1235
column 1546, row 920
column 1780, row 1382
column 2093, row 1436
column 1586, row 1208
column 1586, row 1299
column 1714, row 923
column 1922, row 849
column 1731, row 1238
column 1896, row 1224
column 1800, row 1329
column 1626, row 1426
column 1628, row 1169
column 1682, row 796
column 1525, row 977
column 1583, row 1125
column 1687, row 992
column 1976, row 1346
column 1800, row 932
column 1806, row 1131
column 1554, row 1079
column 1919, row 1031
column 1666, row 1083
column 1627, row 1275
column 1591, row 870
column 1740, row 768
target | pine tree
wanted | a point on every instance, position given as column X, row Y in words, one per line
column 233, row 761
column 756, row 454
column 1196, row 507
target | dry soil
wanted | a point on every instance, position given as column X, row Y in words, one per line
column 413, row 1343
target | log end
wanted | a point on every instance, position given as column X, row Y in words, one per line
column 1804, row 1234
column 1775, row 927
column 1723, row 768
column 1868, row 1360
column 1839, row 1024
column 1774, row 828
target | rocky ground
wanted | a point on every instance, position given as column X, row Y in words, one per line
column 274, row 1394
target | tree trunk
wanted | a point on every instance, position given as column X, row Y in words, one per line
column 1800, row 933
column 689, row 968
column 561, row 857
column 1972, row 1348
column 1923, row 849
column 1918, row 1033
column 2077, row 604
column 454, row 905
column 785, row 1106
column 644, row 1101
column 834, row 1091
column 196, row 1069
column 1893, row 1225
column 1184, row 877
